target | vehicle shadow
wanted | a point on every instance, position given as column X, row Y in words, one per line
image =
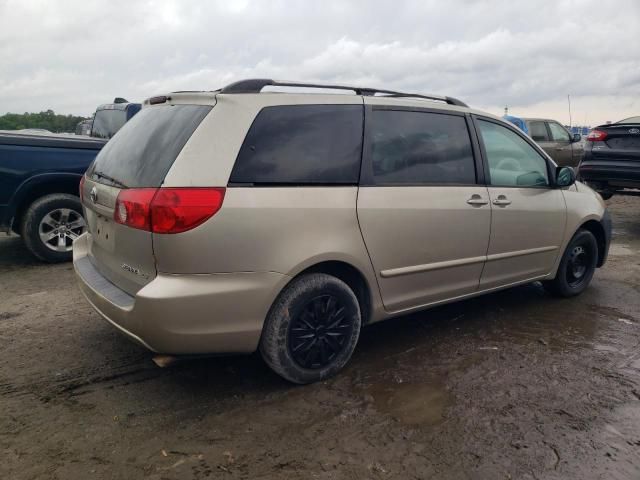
column 523, row 314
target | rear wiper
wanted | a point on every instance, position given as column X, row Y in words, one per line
column 117, row 183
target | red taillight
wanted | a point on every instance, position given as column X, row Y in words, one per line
column 167, row 210
column 133, row 207
column 596, row 136
column 175, row 210
column 82, row 188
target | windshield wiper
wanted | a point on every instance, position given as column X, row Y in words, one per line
column 115, row 182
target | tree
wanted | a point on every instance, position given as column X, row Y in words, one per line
column 48, row 120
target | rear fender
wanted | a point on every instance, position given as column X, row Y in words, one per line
column 36, row 187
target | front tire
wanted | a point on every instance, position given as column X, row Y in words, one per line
column 50, row 225
column 312, row 329
column 577, row 266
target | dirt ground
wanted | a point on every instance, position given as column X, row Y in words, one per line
column 512, row 385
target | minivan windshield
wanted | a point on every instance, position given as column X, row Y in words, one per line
column 142, row 152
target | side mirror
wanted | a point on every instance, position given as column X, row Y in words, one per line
column 565, row 176
column 576, row 137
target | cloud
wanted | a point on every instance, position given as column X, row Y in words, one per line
column 74, row 56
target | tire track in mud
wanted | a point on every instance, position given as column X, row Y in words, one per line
column 73, row 381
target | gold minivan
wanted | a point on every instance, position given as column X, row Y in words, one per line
column 244, row 219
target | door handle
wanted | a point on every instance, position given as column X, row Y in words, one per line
column 477, row 200
column 502, row 201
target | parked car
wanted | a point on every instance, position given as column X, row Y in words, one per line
column 565, row 148
column 39, row 177
column 110, row 117
column 235, row 220
column 611, row 161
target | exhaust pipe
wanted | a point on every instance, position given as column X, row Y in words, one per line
column 164, row 361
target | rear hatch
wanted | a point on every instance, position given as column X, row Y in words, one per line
column 138, row 156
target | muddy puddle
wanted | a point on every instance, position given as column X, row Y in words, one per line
column 411, row 403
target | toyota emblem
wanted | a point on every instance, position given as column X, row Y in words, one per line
column 94, row 194
column 635, row 131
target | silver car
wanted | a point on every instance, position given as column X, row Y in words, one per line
column 238, row 219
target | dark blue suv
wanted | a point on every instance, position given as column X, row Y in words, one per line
column 110, row 117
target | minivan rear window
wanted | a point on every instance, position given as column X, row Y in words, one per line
column 143, row 150
column 302, row 145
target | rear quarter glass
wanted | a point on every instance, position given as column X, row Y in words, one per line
column 142, row 152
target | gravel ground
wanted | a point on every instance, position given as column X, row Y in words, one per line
column 512, row 385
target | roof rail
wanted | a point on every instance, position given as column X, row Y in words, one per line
column 255, row 85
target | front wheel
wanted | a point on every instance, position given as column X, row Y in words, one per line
column 312, row 328
column 577, row 266
column 50, row 225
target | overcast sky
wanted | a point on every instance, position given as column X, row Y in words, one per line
column 73, row 55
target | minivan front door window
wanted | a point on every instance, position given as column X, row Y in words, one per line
column 512, row 161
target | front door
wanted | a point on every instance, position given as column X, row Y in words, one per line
column 528, row 214
column 424, row 218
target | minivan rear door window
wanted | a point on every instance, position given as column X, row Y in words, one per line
column 418, row 147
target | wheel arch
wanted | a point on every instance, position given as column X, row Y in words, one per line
column 596, row 228
column 349, row 274
column 38, row 186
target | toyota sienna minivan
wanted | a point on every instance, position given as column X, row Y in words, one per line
column 243, row 219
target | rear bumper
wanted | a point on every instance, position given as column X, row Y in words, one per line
column 623, row 173
column 184, row 314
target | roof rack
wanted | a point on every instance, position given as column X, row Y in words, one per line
column 255, row 85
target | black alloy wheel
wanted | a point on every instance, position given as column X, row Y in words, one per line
column 319, row 333
column 311, row 329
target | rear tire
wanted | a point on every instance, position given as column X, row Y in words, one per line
column 312, row 329
column 577, row 266
column 50, row 224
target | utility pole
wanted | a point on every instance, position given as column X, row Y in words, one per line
column 569, row 100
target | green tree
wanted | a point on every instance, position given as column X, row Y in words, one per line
column 48, row 120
